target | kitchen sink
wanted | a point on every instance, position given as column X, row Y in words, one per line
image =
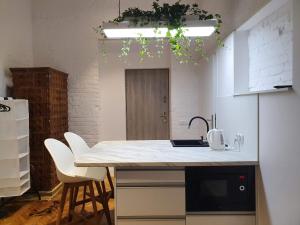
column 189, row 143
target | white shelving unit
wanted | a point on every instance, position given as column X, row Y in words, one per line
column 14, row 148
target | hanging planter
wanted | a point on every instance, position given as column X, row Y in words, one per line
column 182, row 26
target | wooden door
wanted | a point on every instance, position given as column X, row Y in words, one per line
column 147, row 104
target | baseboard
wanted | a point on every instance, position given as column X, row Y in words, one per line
column 49, row 195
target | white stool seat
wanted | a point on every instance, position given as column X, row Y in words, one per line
column 73, row 178
column 79, row 147
column 67, row 172
column 93, row 173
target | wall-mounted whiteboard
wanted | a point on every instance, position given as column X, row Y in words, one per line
column 263, row 50
column 271, row 51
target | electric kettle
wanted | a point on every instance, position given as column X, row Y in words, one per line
column 215, row 139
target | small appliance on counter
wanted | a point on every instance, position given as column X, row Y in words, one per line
column 220, row 190
column 215, row 139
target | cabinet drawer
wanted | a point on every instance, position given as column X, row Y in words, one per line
column 150, row 201
column 151, row 222
column 150, row 177
column 221, row 220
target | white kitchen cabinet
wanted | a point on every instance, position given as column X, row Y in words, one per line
column 220, row 220
column 150, row 196
column 150, row 201
column 150, row 177
column 151, row 222
column 14, row 151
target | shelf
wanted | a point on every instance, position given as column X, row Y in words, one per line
column 24, row 182
column 17, row 138
column 14, row 129
column 22, row 136
column 24, row 118
column 15, row 190
column 23, row 173
column 264, row 92
column 14, row 154
column 22, row 155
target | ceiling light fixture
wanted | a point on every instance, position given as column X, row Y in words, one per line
column 192, row 28
column 181, row 26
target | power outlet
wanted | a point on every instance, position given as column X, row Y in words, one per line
column 239, row 140
column 183, row 123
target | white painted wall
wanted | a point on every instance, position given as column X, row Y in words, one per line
column 235, row 114
column 225, row 68
column 279, row 146
column 15, row 38
column 185, row 92
column 186, row 100
column 207, row 70
column 112, row 85
column 63, row 38
column 244, row 9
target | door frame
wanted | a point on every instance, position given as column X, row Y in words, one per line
column 169, row 94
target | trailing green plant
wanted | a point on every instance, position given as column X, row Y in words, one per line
column 159, row 45
column 172, row 17
column 125, row 47
column 144, row 47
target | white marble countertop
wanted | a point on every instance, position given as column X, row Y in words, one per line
column 159, row 153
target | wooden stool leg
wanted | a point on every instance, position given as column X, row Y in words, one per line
column 62, row 203
column 92, row 194
column 83, row 198
column 74, row 200
column 71, row 203
column 105, row 204
column 111, row 184
column 75, row 196
column 100, row 193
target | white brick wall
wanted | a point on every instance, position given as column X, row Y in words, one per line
column 84, row 105
column 270, row 51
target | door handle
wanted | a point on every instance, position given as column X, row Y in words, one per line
column 164, row 117
column 165, row 99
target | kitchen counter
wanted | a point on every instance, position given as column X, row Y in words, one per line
column 160, row 153
column 150, row 181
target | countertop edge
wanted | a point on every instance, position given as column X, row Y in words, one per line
column 166, row 164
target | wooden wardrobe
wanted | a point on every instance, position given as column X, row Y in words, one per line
column 47, row 93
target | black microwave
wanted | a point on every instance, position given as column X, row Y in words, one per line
column 220, row 189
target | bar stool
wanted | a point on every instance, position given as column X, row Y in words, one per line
column 78, row 147
column 73, row 178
